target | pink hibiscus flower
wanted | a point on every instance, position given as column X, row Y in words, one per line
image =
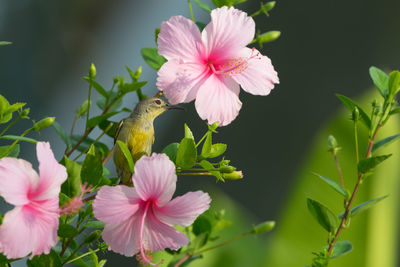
column 140, row 219
column 210, row 66
column 32, row 225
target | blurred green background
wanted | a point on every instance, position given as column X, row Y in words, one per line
column 326, row 47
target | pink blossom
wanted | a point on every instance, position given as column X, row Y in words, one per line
column 209, row 66
column 140, row 219
column 32, row 225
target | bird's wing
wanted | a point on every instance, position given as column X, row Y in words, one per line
column 119, row 127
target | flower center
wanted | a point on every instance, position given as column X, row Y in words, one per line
column 234, row 66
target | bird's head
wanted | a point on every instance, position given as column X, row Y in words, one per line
column 152, row 107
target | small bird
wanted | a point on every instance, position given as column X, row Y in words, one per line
column 137, row 132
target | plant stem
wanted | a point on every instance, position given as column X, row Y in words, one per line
column 201, row 140
column 73, row 126
column 356, row 142
column 348, row 206
column 105, row 160
column 339, row 169
column 15, row 142
column 81, row 256
column 87, row 113
column 255, row 13
column 11, row 124
column 194, row 173
column 191, row 10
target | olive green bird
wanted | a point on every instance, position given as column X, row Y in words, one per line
column 137, row 132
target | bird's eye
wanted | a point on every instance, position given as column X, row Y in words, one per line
column 157, row 101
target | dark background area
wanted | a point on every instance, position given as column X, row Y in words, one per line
column 326, row 47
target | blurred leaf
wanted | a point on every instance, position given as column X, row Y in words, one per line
column 127, row 154
column 201, row 225
column 95, row 224
column 188, row 132
column 19, row 138
column 221, row 3
column 394, row 80
column 14, row 107
column 364, row 206
column 187, row 153
column 61, row 132
column 171, row 150
column 200, row 240
column 385, row 141
column 210, row 168
column 332, row 184
column 5, row 43
column 72, row 186
column 4, row 104
column 45, row 260
column 101, row 102
column 63, row 199
column 366, row 165
column 66, row 231
column 203, row 5
column 93, row 236
column 341, row 248
column 92, row 168
column 99, row 119
column 263, row 227
column 324, row 216
column 350, row 106
column 380, row 79
column 96, row 86
column 151, row 56
column 200, row 25
column 14, row 151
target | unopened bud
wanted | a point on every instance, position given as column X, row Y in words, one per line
column 92, row 71
column 355, row 116
column 42, row 124
column 138, row 72
column 82, row 109
column 213, row 126
column 263, row 227
column 268, row 37
column 267, row 7
column 227, row 169
column 93, row 236
column 24, row 113
column 236, row 175
column 333, row 144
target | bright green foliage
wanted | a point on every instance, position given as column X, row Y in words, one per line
column 263, row 227
column 187, row 153
column 367, row 165
column 341, row 248
column 172, row 151
column 13, row 152
column 332, row 184
column 2, row 43
column 188, row 132
column 324, row 216
column 85, row 145
column 95, row 224
column 45, row 260
column 19, row 138
column 127, row 154
column 364, row 206
column 203, row 5
column 210, row 168
column 92, row 168
column 385, row 141
column 380, row 79
column 151, row 56
column 350, row 104
column 66, row 230
column 72, row 186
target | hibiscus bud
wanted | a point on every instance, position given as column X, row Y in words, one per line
column 93, row 236
column 263, row 227
column 82, row 109
column 138, row 72
column 24, row 113
column 92, row 71
column 267, row 7
column 333, row 144
column 268, row 37
column 227, row 169
column 46, row 122
column 355, row 114
column 236, row 175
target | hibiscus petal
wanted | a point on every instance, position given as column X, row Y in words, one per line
column 155, row 178
column 259, row 76
column 29, row 229
column 114, row 204
column 123, row 237
column 185, row 209
column 217, row 100
column 52, row 173
column 17, row 180
column 159, row 236
column 180, row 81
column 180, row 38
column 229, row 31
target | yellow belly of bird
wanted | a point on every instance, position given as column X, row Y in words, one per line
column 139, row 142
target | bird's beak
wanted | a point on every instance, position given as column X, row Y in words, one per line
column 174, row 107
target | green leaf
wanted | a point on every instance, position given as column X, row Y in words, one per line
column 263, row 227
column 72, row 186
column 380, row 79
column 217, row 150
column 200, row 241
column 92, row 168
column 187, row 153
column 171, row 150
column 365, row 205
column 210, row 168
column 127, row 154
column 221, row 3
column 201, row 225
column 95, row 224
column 82, row 109
column 267, row 37
column 385, row 141
column 131, row 87
column 188, row 132
column 66, row 231
column 394, row 80
column 14, row 151
column 96, row 86
column 394, row 111
column 203, row 5
column 101, row 102
column 99, row 119
column 111, row 132
column 206, row 149
column 5, row 43
column 324, row 216
column 341, row 248
column 4, row 104
column 19, row 138
column 350, row 106
column 93, row 236
column 84, row 145
column 332, row 184
column 151, row 56
column 366, row 165
column 14, row 107
column 62, row 133
column 45, row 260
